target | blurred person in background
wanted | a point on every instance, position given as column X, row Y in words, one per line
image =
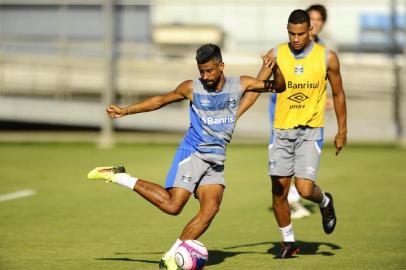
column 198, row 165
column 298, row 120
column 318, row 17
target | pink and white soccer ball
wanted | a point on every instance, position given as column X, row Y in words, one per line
column 191, row 255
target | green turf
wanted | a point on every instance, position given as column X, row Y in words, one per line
column 73, row 223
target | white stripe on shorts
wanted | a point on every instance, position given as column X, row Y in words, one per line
column 195, row 109
column 317, row 148
column 184, row 161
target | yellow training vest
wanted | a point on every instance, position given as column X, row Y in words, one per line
column 302, row 104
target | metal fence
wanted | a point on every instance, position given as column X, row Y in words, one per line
column 77, row 66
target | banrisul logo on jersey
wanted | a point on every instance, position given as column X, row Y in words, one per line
column 305, row 85
column 218, row 120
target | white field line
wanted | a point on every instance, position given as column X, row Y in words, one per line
column 17, row 195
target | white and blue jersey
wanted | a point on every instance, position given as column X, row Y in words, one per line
column 201, row 154
column 212, row 120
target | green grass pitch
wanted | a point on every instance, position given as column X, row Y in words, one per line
column 72, row 223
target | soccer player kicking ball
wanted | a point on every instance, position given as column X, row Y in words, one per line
column 198, row 165
column 297, row 134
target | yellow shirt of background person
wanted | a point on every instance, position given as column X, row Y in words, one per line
column 302, row 104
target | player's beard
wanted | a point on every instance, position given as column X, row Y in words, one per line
column 212, row 84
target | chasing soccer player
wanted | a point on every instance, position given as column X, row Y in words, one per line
column 198, row 165
column 318, row 17
column 297, row 134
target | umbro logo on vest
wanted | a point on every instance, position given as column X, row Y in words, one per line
column 231, row 102
column 205, row 102
column 299, row 69
column 298, row 97
column 186, row 178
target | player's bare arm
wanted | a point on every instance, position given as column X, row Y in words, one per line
column 264, row 74
column 334, row 77
column 253, row 85
column 182, row 92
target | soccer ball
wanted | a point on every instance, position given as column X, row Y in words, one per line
column 191, row 255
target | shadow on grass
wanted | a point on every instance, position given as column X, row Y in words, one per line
column 126, row 260
column 127, row 253
column 215, row 256
column 309, row 248
column 306, row 248
column 219, row 256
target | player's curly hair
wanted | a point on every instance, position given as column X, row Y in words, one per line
column 208, row 52
column 299, row 16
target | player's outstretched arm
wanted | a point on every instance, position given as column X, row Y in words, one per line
column 183, row 91
column 264, row 74
column 340, row 107
column 249, row 84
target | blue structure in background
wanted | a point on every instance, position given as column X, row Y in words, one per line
column 376, row 32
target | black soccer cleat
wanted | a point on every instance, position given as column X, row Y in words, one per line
column 288, row 249
column 328, row 216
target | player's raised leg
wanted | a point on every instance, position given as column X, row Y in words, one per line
column 169, row 201
column 310, row 191
column 107, row 174
column 297, row 209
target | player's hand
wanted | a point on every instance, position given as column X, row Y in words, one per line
column 114, row 111
column 339, row 141
column 267, row 62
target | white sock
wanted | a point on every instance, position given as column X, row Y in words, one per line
column 126, row 180
column 325, row 201
column 293, row 195
column 172, row 251
column 287, row 233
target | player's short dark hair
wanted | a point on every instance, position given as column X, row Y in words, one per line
column 208, row 52
column 299, row 16
column 320, row 9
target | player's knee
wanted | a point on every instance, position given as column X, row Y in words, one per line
column 279, row 189
column 279, row 200
column 279, row 195
column 215, row 209
column 173, row 209
column 211, row 211
column 305, row 193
